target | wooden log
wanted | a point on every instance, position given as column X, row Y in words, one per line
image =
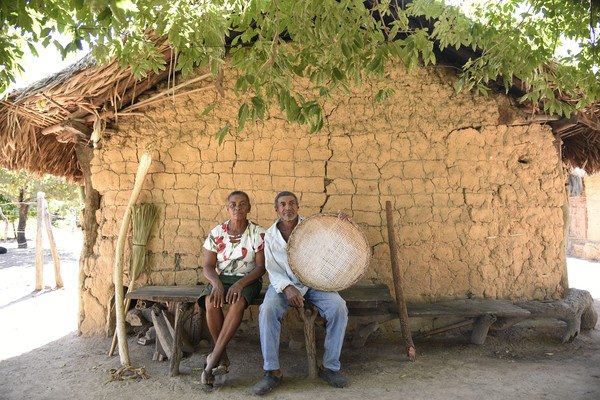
column 411, row 351
column 308, row 316
column 135, row 317
column 576, row 309
column 53, row 248
column 148, row 338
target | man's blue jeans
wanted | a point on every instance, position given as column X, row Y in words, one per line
column 331, row 306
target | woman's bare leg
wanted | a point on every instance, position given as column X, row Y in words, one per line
column 228, row 327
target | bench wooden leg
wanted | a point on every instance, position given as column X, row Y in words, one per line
column 362, row 333
column 182, row 310
column 481, row 328
column 308, row 317
column 164, row 339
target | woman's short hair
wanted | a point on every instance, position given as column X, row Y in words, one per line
column 285, row 193
column 239, row 193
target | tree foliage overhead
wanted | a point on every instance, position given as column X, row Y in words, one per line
column 333, row 43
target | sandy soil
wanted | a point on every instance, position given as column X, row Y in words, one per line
column 41, row 356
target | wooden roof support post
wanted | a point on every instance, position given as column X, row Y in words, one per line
column 411, row 351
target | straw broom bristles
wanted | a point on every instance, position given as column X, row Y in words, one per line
column 145, row 162
column 142, row 218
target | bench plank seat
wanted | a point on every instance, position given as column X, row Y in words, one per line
column 183, row 294
column 467, row 308
column 370, row 304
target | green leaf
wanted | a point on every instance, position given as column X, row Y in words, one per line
column 209, row 108
column 221, row 133
column 243, row 113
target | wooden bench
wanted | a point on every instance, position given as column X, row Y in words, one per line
column 368, row 305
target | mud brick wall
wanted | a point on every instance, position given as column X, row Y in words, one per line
column 592, row 245
column 478, row 199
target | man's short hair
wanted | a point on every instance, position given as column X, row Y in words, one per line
column 285, row 193
column 239, row 193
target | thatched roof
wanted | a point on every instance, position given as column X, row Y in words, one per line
column 41, row 125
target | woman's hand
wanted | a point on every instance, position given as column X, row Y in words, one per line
column 234, row 293
column 217, row 295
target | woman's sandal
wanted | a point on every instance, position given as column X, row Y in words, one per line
column 207, row 378
column 222, row 368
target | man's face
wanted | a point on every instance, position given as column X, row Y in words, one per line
column 287, row 208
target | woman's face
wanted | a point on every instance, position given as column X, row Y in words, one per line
column 238, row 207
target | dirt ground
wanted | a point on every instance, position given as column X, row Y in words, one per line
column 41, row 356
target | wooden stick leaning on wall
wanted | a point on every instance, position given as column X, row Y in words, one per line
column 145, row 162
column 57, row 275
column 411, row 351
column 143, row 217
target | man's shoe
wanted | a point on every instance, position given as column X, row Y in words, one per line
column 334, row 378
column 268, row 382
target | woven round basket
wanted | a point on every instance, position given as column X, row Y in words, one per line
column 328, row 253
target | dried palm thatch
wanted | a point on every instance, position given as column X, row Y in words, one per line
column 41, row 125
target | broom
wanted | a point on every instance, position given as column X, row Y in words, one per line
column 142, row 219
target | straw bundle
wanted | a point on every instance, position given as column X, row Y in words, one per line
column 142, row 219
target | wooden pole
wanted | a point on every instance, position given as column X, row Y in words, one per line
column 309, row 316
column 411, row 351
column 145, row 161
column 39, row 247
column 57, row 276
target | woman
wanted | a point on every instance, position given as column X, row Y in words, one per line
column 234, row 262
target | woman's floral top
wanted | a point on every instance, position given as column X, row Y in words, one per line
column 235, row 258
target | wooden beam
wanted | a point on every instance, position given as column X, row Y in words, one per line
column 564, row 124
column 77, row 126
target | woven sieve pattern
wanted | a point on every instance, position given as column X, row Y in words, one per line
column 328, row 253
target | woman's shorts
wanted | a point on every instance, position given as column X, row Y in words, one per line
column 249, row 292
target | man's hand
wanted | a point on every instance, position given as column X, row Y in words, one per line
column 343, row 216
column 294, row 297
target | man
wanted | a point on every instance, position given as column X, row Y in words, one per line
column 286, row 290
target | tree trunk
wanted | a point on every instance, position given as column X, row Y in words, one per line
column 89, row 225
column 23, row 210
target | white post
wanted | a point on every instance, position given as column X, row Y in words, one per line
column 39, row 248
column 57, row 276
